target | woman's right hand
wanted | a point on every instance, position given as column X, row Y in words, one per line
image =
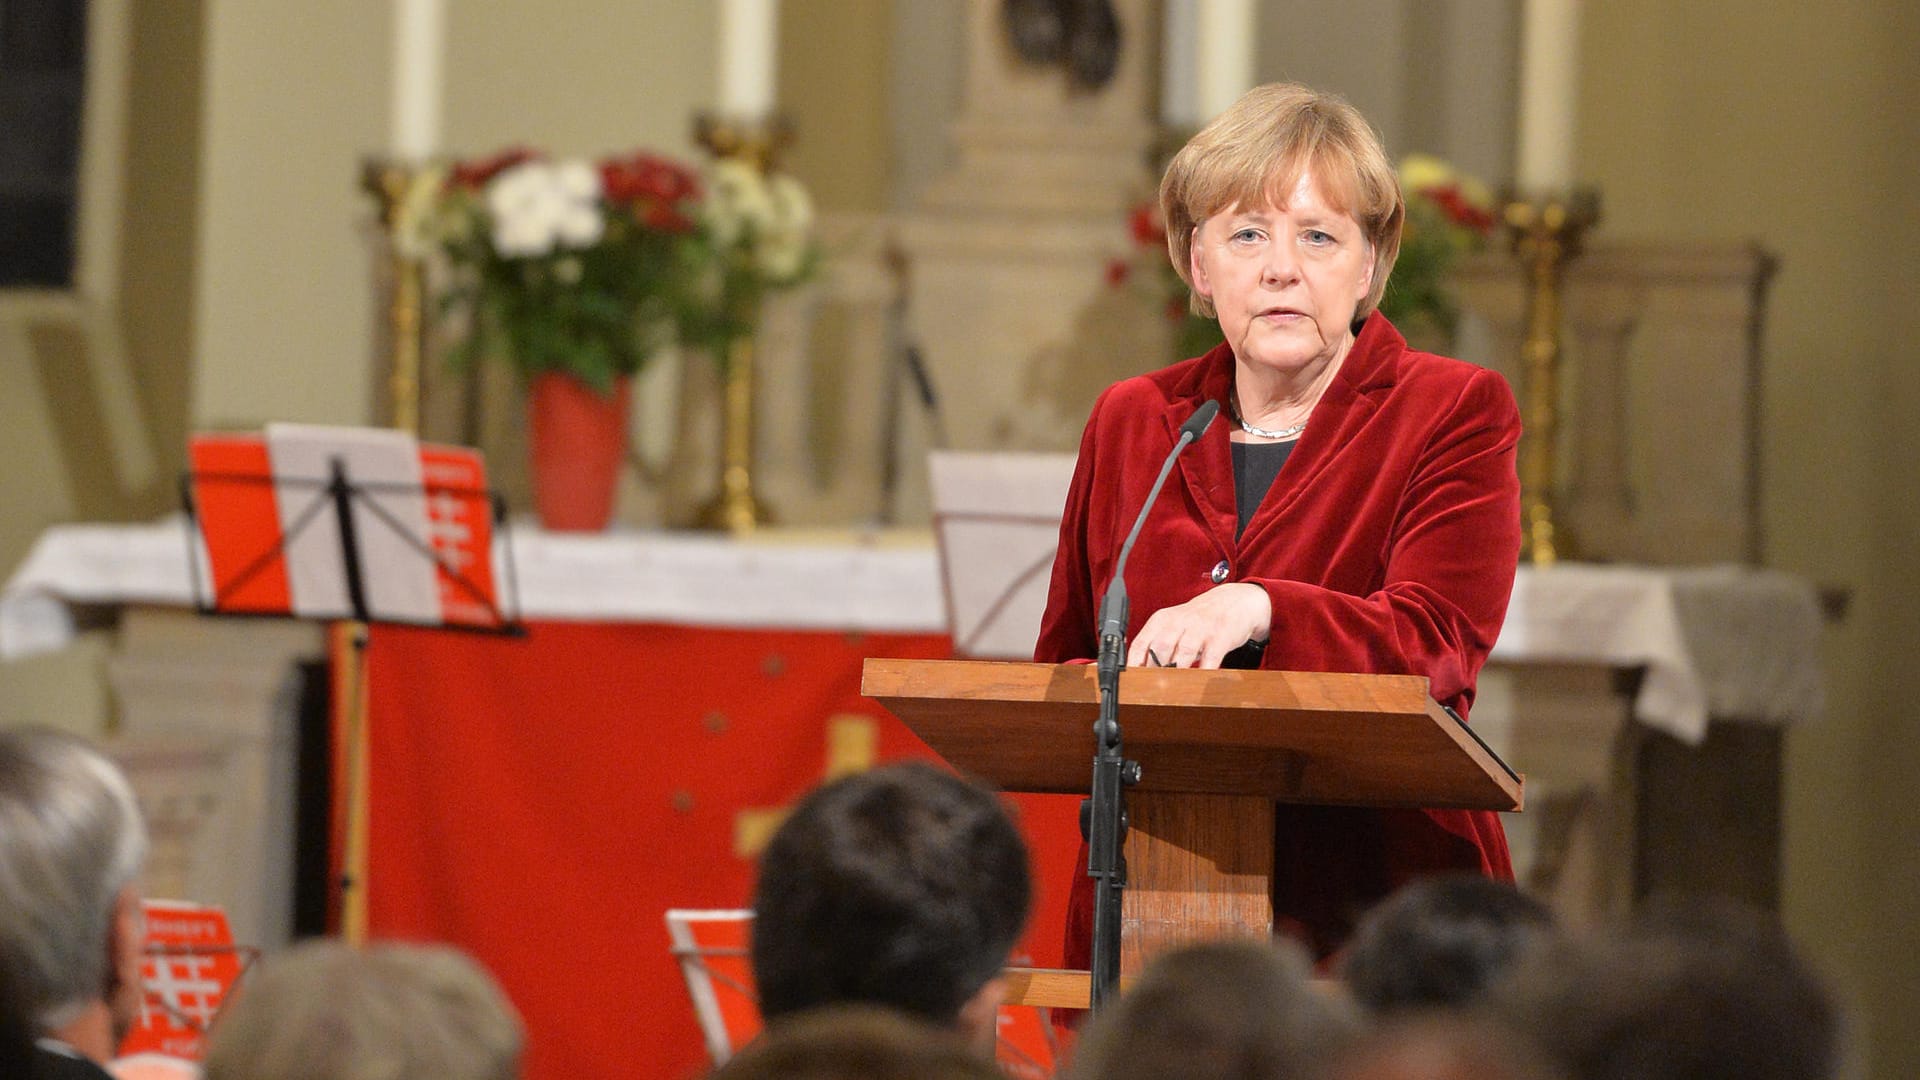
column 1202, row 631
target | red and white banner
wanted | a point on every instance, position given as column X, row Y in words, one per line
column 270, row 539
column 190, row 967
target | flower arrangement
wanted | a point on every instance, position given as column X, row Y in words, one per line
column 756, row 236
column 590, row 268
column 1449, row 214
column 1148, row 271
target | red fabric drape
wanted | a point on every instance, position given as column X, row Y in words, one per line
column 541, row 802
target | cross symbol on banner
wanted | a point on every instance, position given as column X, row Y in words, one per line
column 444, row 507
column 853, row 742
column 188, row 997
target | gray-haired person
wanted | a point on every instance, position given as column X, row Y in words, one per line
column 327, row 1011
column 72, row 844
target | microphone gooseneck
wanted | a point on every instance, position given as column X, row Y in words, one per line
column 1112, row 772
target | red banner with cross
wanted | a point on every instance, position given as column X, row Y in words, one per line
column 543, row 802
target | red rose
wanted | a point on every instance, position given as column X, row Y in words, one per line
column 646, row 177
column 1146, row 226
column 1118, row 270
column 1458, row 210
column 662, row 218
column 475, row 174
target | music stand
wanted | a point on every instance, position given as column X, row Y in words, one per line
column 335, row 523
column 351, row 526
column 996, row 519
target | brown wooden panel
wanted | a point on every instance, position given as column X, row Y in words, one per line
column 1199, row 867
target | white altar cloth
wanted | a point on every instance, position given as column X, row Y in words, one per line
column 1722, row 641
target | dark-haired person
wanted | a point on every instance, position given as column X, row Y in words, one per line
column 1441, row 942
column 1223, row 1010
column 904, row 887
column 1357, row 510
column 72, row 845
column 858, row 1042
column 1442, row 1045
column 1705, row 990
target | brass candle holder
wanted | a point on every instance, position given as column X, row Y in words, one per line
column 735, row 507
column 1546, row 231
column 391, row 183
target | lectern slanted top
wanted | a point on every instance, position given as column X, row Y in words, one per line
column 1291, row 736
column 1216, row 750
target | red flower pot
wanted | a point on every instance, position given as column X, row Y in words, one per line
column 578, row 438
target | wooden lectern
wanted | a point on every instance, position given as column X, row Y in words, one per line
column 1216, row 750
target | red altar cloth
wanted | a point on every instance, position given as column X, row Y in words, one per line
column 542, row 802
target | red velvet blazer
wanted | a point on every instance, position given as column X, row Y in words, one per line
column 1388, row 544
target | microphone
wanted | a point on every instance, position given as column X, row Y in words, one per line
column 1113, row 607
column 1105, row 812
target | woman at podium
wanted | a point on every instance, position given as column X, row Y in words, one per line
column 1359, row 512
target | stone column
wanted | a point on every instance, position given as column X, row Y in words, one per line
column 1007, row 251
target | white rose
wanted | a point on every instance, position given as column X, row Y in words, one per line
column 792, row 206
column 537, row 207
column 737, row 205
column 578, row 181
column 781, row 254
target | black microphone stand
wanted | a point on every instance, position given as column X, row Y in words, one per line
column 1106, row 820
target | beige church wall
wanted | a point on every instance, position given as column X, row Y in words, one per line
column 294, row 95
column 1793, row 125
column 582, row 77
column 835, row 71
column 94, row 380
column 160, row 222
column 1431, row 75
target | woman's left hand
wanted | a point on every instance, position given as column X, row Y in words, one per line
column 1202, row 631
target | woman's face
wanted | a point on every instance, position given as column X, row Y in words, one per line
column 1284, row 280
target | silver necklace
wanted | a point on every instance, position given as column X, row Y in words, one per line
column 1283, row 433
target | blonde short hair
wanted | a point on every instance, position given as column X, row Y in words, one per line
column 1254, row 154
column 328, row 1011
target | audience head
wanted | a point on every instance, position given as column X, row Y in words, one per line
column 1440, row 1045
column 1713, row 991
column 904, row 887
column 858, row 1042
column 1230, row 1010
column 1441, row 942
column 72, row 844
column 16, row 1028
column 327, row 1011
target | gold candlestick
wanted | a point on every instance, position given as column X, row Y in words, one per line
column 1546, row 232
column 391, row 183
column 735, row 507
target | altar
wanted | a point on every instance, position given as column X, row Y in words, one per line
column 542, row 801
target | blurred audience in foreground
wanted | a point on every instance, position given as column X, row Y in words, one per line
column 1229, row 1010
column 858, row 1042
column 327, row 1011
column 1441, row 941
column 1706, row 991
column 72, row 845
column 1439, row 1045
column 904, row 887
